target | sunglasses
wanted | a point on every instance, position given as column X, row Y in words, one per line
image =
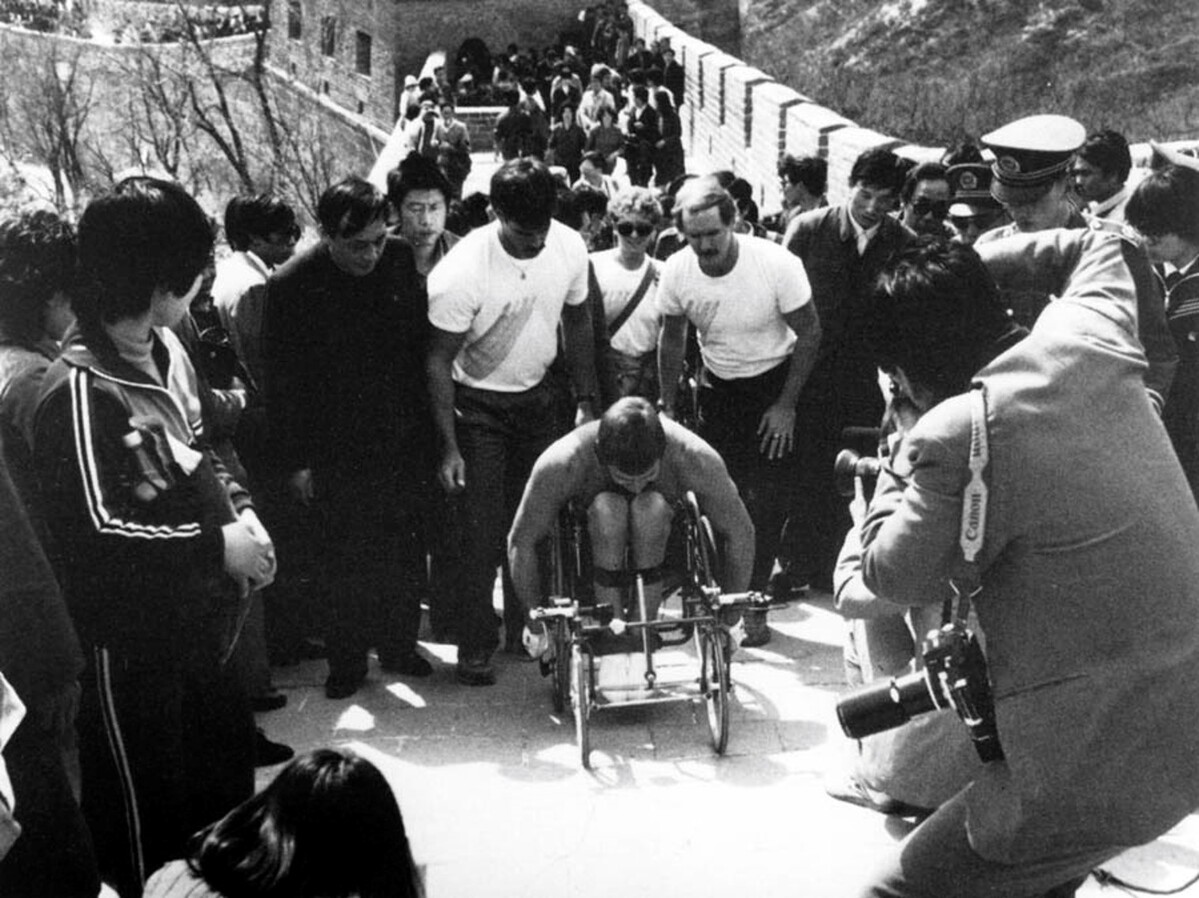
column 939, row 208
column 627, row 228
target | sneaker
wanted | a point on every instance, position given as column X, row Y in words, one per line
column 475, row 671
column 337, row 687
column 411, row 665
column 268, row 753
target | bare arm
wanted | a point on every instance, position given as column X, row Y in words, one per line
column 672, row 345
column 443, row 349
column 777, row 427
column 720, row 502
column 580, row 357
column 544, row 496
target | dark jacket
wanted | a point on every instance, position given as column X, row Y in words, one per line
column 844, row 379
column 142, row 576
column 345, row 361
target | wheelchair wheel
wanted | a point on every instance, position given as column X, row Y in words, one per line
column 580, row 698
column 561, row 638
column 715, row 686
column 701, row 548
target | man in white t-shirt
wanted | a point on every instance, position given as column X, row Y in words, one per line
column 750, row 303
column 495, row 303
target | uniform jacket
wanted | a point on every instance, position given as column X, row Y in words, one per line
column 1089, row 569
column 142, row 578
column 1181, row 413
column 1025, row 290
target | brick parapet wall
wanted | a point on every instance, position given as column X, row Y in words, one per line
column 736, row 117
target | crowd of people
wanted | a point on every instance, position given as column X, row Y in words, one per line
column 400, row 409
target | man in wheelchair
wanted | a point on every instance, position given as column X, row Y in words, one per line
column 629, row 471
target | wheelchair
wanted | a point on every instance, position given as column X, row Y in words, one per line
column 587, row 682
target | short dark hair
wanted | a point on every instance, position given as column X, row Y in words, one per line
column 630, row 436
column 810, row 171
column 925, row 171
column 1166, row 201
column 1108, row 152
column 936, row 313
column 37, row 261
column 596, row 158
column 524, row 191
column 145, row 234
column 589, row 199
column 261, row 215
column 328, row 824
column 877, row 168
column 641, row 92
column 349, row 206
column 416, row 172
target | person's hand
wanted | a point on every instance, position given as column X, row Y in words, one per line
column 858, row 504
column 250, row 518
column 777, row 430
column 246, row 560
column 300, row 485
column 452, row 472
column 536, row 640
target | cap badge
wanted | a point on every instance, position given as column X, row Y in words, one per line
column 1008, row 165
column 969, row 181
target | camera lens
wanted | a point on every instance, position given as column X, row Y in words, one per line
column 884, row 705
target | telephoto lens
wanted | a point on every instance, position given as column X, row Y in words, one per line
column 885, row 705
column 850, row 465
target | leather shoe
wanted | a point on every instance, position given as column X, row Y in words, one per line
column 854, row 792
column 267, row 753
column 475, row 671
column 271, row 701
column 342, row 687
column 410, row 665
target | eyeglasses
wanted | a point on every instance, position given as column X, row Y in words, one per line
column 626, row 228
column 937, row 208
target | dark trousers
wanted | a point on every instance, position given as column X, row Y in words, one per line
column 53, row 857
column 165, row 748
column 375, row 563
column 730, row 411
column 500, row 436
column 936, row 860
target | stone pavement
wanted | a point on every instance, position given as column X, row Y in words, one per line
column 497, row 803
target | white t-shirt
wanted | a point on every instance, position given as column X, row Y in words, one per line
column 506, row 307
column 738, row 317
column 639, row 333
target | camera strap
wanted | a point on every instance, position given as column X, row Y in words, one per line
column 974, row 512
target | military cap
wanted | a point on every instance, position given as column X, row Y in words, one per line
column 1031, row 154
column 970, row 183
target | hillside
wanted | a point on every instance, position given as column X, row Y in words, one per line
column 935, row 71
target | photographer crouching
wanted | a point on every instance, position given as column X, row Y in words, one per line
column 1079, row 550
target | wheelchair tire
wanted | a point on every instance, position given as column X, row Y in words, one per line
column 701, row 549
column 561, row 693
column 580, row 699
column 714, row 684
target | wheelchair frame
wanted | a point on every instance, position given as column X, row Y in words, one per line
column 573, row 629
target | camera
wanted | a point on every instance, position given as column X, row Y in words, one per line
column 954, row 676
column 849, row 466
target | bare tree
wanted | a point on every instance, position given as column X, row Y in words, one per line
column 47, row 98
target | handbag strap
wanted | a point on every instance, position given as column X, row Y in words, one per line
column 651, row 274
column 974, row 512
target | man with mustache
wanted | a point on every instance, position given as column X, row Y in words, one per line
column 758, row 331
